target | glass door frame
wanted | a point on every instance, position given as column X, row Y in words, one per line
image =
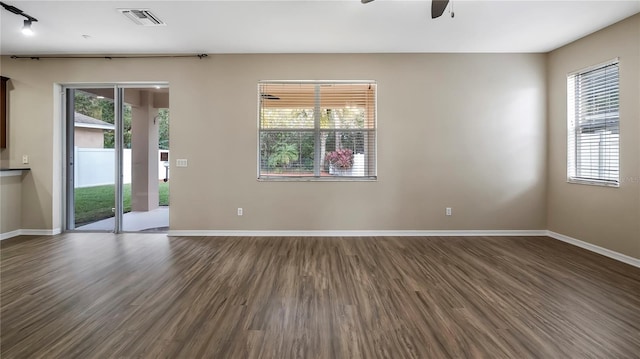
column 68, row 161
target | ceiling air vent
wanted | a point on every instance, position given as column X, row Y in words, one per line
column 142, row 17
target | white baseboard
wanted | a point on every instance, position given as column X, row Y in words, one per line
column 11, row 234
column 30, row 232
column 596, row 249
column 354, row 233
column 40, row 232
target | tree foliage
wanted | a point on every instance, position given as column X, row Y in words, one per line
column 163, row 122
column 103, row 109
column 283, row 154
column 339, row 128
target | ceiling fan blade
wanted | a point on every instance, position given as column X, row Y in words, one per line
column 267, row 96
column 437, row 7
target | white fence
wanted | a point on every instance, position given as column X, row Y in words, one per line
column 96, row 166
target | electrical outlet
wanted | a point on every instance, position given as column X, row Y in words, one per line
column 25, row 159
column 239, row 211
column 448, row 211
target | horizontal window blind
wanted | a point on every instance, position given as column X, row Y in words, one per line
column 318, row 130
column 594, row 125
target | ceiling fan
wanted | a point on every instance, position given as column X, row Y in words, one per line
column 437, row 7
column 267, row 96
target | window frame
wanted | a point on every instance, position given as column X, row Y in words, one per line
column 317, row 128
column 573, row 126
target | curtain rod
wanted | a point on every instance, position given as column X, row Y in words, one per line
column 200, row 56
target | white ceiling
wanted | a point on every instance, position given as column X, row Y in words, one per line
column 295, row 26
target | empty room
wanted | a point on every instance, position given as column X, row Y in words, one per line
column 320, row 179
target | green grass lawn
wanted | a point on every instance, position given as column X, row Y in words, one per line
column 95, row 203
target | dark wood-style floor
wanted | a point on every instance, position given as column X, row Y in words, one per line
column 149, row 296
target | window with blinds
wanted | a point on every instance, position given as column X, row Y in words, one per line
column 317, row 130
column 593, row 119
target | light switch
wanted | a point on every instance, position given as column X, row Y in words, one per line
column 182, row 162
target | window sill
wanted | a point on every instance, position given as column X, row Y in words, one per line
column 593, row 182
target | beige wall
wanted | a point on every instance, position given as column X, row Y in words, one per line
column 607, row 217
column 460, row 130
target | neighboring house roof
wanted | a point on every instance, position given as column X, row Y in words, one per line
column 85, row 121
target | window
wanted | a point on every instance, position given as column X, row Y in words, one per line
column 594, row 125
column 317, row 130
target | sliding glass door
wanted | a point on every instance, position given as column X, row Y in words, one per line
column 91, row 159
column 115, row 136
column 145, row 152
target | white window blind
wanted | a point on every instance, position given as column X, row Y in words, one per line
column 594, row 125
column 317, row 130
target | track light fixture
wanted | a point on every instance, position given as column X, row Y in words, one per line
column 26, row 28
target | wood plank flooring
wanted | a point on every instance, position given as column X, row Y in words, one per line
column 150, row 296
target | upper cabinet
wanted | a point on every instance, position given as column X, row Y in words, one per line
column 3, row 111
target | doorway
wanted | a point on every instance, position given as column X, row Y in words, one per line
column 117, row 158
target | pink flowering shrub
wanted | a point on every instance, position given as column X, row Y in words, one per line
column 341, row 158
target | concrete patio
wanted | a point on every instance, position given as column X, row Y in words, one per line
column 156, row 220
